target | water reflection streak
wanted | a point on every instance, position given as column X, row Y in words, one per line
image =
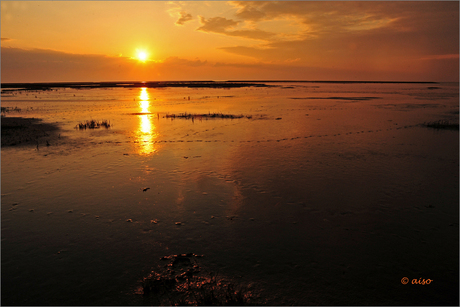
column 146, row 133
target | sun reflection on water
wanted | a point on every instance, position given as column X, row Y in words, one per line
column 145, row 134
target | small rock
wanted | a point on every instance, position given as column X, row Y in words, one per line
column 31, row 210
column 145, row 189
column 129, row 220
column 70, row 211
column 154, row 221
column 178, row 223
column 204, row 193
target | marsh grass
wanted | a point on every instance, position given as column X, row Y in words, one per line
column 183, row 283
column 442, row 124
column 93, row 124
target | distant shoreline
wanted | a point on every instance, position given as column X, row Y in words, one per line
column 157, row 84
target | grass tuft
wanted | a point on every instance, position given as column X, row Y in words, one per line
column 92, row 124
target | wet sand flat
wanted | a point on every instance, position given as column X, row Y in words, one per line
column 19, row 131
column 315, row 194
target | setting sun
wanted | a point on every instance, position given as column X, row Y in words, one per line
column 142, row 55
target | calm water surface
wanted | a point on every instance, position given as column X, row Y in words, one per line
column 329, row 194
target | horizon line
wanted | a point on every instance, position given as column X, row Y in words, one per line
column 185, row 82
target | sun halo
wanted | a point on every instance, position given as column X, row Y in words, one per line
column 142, row 55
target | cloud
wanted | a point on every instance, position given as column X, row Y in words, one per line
column 174, row 60
column 441, row 57
column 184, row 17
column 5, row 39
column 347, row 16
column 216, row 24
column 43, row 65
column 384, row 36
column 224, row 26
column 248, row 12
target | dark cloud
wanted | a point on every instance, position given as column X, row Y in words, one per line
column 38, row 65
column 184, row 17
column 5, row 39
column 216, row 24
column 384, row 36
column 41, row 65
column 345, row 16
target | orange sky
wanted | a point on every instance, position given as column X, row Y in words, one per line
column 53, row 41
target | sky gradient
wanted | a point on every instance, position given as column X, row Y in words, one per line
column 246, row 40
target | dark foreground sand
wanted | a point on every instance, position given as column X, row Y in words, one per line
column 20, row 131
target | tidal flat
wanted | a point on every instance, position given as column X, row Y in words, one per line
column 295, row 193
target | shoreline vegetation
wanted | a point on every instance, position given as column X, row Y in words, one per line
column 93, row 124
column 44, row 86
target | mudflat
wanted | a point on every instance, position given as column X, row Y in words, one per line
column 320, row 194
column 20, row 131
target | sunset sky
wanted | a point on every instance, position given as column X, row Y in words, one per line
column 56, row 41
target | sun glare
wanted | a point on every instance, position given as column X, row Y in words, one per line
column 142, row 55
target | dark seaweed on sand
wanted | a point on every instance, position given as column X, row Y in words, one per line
column 181, row 282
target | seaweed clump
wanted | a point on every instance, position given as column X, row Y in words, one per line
column 442, row 124
column 181, row 282
column 93, row 124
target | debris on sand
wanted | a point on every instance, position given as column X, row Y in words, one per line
column 183, row 282
column 5, row 110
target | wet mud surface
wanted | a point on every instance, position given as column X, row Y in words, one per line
column 326, row 201
column 19, row 131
